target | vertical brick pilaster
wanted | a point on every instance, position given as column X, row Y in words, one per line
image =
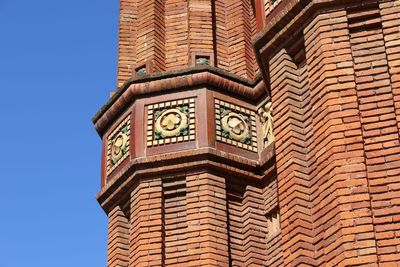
column 221, row 35
column 207, row 235
column 127, row 39
column 234, row 198
column 175, row 224
column 250, row 30
column 150, row 37
column 146, row 232
column 200, row 27
column 379, row 91
column 388, row 189
column 168, row 33
column 390, row 19
column 118, row 238
column 254, row 227
column 241, row 27
column 294, row 191
column 342, row 208
column 344, row 144
column 141, row 36
column 176, row 34
column 273, row 250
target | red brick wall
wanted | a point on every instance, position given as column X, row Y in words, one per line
column 248, row 204
column 118, row 238
column 127, row 39
column 385, row 181
column 176, row 47
column 175, row 223
column 146, row 224
column 293, row 158
column 333, row 73
column 337, row 136
column 198, row 219
column 167, row 33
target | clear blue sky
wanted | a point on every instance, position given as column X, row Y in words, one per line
column 57, row 66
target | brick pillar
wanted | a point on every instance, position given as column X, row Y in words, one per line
column 241, row 27
column 273, row 250
column 175, row 224
column 167, row 34
column 234, row 30
column 150, row 42
column 176, row 34
column 390, row 19
column 118, row 238
column 141, row 36
column 200, row 27
column 382, row 130
column 127, row 39
column 254, row 227
column 207, row 236
column 221, row 34
column 294, row 188
column 234, row 198
column 146, row 232
column 341, row 200
column 337, row 132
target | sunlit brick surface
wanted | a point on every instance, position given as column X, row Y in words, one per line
column 325, row 193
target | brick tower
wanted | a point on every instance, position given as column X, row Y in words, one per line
column 254, row 133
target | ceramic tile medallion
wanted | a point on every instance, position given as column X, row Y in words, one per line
column 235, row 125
column 171, row 122
column 118, row 145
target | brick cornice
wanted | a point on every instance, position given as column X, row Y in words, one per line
column 199, row 160
column 164, row 82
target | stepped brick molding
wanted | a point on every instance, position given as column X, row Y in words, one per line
column 254, row 133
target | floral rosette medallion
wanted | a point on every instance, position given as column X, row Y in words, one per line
column 171, row 122
column 235, row 125
column 118, row 145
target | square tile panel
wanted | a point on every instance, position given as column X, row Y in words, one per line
column 171, row 122
column 235, row 125
column 118, row 145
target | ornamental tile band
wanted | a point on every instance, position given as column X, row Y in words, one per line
column 118, row 145
column 171, row 122
column 235, row 125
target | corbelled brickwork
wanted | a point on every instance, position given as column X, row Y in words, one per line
column 254, row 133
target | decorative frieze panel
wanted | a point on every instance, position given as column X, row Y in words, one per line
column 171, row 122
column 118, row 145
column 265, row 114
column 235, row 125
